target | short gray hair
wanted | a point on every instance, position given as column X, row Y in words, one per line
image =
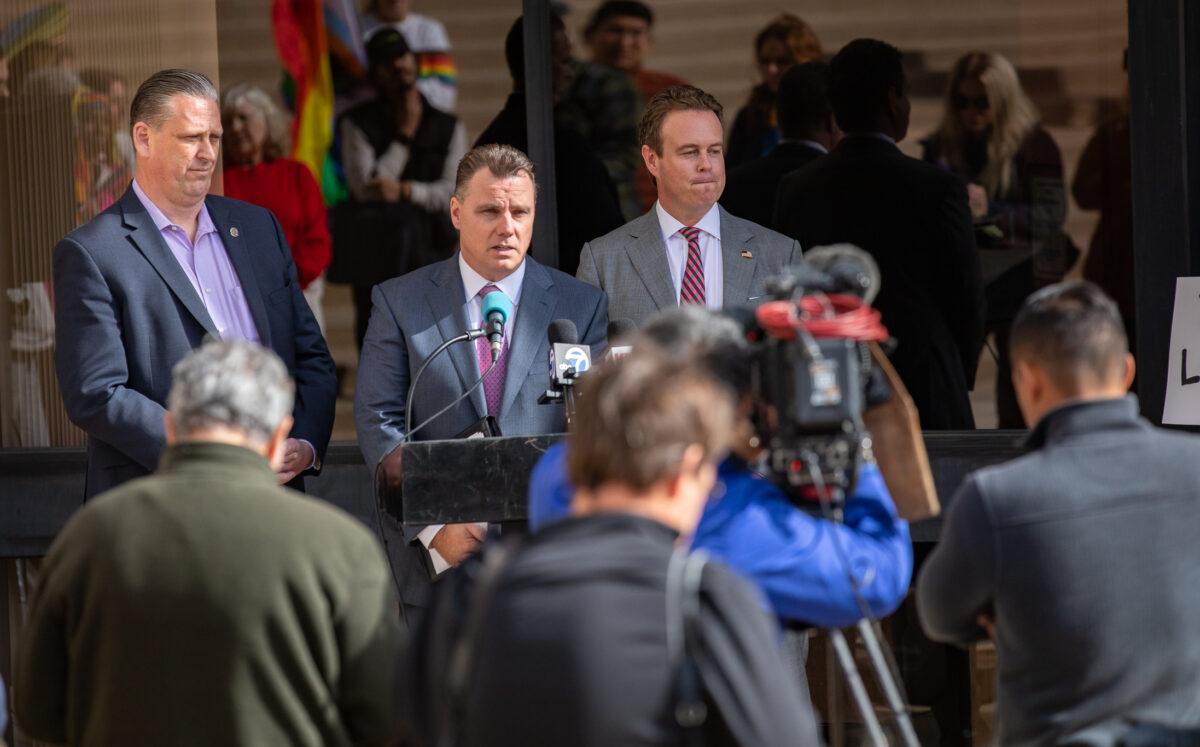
column 276, row 145
column 152, row 102
column 231, row 384
column 503, row 161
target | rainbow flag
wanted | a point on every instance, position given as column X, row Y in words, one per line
column 345, row 37
column 303, row 46
column 439, row 65
column 46, row 23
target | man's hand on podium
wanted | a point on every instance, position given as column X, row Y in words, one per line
column 457, row 542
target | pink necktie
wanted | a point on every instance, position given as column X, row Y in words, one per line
column 493, row 385
column 691, row 290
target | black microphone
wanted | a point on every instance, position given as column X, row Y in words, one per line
column 568, row 360
column 849, row 269
column 619, row 333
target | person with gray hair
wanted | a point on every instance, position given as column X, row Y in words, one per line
column 1079, row 559
column 258, row 171
column 205, row 604
column 145, row 281
column 493, row 209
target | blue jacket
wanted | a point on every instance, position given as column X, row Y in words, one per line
column 795, row 558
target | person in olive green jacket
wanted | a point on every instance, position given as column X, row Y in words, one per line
column 205, row 604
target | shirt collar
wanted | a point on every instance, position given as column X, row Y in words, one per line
column 874, row 135
column 473, row 282
column 203, row 226
column 811, row 144
column 710, row 223
column 1085, row 416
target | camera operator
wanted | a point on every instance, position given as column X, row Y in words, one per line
column 603, row 629
column 748, row 522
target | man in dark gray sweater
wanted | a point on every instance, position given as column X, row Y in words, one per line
column 1080, row 558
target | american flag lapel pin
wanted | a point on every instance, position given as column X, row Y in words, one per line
column 747, row 254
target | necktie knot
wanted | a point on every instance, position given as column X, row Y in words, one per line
column 691, row 233
column 489, row 288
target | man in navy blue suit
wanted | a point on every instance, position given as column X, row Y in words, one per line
column 493, row 210
column 142, row 284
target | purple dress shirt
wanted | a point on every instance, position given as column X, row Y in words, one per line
column 206, row 264
column 208, row 267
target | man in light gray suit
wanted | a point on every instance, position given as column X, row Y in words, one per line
column 493, row 209
column 686, row 249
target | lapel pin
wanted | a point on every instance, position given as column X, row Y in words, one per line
column 234, row 233
column 747, row 254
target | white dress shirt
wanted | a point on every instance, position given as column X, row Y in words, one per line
column 710, row 252
column 473, row 282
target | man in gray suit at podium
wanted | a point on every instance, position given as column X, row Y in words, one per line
column 493, row 209
column 686, row 249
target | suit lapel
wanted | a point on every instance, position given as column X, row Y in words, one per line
column 529, row 338
column 648, row 255
column 737, row 259
column 149, row 241
column 449, row 309
column 239, row 256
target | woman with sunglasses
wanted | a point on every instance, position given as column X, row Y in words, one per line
column 990, row 135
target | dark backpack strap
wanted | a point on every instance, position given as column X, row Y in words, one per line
column 684, row 573
column 461, row 662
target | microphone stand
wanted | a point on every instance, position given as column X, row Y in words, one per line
column 470, row 334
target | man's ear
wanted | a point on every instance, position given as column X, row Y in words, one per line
column 831, row 126
column 651, row 159
column 1130, row 370
column 141, row 139
column 455, row 211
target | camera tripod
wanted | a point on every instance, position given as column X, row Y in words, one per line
column 833, row 498
column 858, row 691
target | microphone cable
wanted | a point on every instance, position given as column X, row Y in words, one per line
column 478, row 382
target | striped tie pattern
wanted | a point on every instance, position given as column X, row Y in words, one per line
column 691, row 290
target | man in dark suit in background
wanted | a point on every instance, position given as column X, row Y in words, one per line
column 204, row 604
column 687, row 249
column 809, row 131
column 1080, row 558
column 493, row 209
column 587, row 200
column 140, row 285
column 912, row 218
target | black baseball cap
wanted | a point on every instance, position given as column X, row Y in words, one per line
column 386, row 45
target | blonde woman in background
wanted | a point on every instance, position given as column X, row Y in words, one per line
column 257, row 171
column 991, row 136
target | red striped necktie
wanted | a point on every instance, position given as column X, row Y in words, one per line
column 691, row 290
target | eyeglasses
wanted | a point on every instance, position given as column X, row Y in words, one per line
column 978, row 103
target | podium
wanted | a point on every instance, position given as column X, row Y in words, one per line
column 456, row 481
column 487, row 479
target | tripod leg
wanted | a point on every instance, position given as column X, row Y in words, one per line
column 857, row 689
column 833, row 697
column 883, row 675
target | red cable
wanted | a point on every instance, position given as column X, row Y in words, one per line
column 834, row 315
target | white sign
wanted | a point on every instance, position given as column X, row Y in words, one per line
column 1182, row 406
